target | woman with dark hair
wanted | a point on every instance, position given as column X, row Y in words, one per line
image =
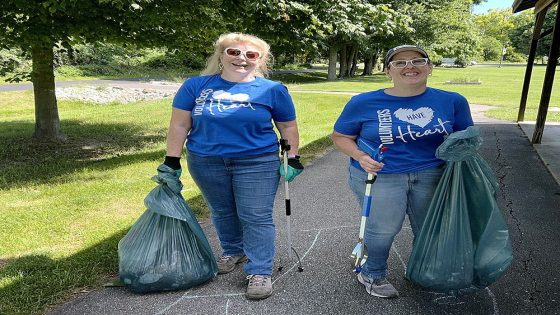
column 411, row 120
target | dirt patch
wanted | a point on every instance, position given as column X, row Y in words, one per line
column 3, row 263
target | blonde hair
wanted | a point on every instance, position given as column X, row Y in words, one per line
column 226, row 40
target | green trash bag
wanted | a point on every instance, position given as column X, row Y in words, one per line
column 464, row 242
column 166, row 248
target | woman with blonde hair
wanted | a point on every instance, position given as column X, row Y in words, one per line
column 214, row 63
column 226, row 117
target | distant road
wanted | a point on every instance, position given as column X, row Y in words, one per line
column 125, row 83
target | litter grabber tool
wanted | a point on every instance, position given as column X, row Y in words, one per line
column 359, row 254
column 285, row 147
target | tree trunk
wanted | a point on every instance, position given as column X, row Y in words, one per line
column 374, row 59
column 331, row 76
column 47, row 122
column 349, row 56
column 342, row 72
column 354, row 63
column 368, row 65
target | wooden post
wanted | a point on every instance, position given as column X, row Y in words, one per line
column 548, row 81
column 530, row 63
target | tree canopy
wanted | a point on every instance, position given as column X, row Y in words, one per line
column 38, row 26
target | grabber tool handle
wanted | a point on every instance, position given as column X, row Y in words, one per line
column 366, row 204
column 285, row 147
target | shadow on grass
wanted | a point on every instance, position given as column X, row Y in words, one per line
column 321, row 77
column 36, row 282
column 376, row 78
column 300, row 77
column 26, row 161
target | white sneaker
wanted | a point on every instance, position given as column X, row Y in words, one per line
column 378, row 287
column 259, row 287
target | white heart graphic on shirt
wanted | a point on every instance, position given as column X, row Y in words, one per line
column 223, row 95
column 420, row 117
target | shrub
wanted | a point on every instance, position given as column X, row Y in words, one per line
column 462, row 61
column 513, row 56
column 10, row 59
column 491, row 48
column 14, row 66
column 436, row 59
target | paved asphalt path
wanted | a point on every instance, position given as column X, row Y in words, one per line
column 325, row 218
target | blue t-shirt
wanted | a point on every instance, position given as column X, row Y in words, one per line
column 233, row 119
column 411, row 127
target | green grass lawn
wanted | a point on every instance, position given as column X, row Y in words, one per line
column 65, row 207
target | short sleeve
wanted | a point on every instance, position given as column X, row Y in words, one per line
column 463, row 118
column 283, row 108
column 185, row 98
column 348, row 122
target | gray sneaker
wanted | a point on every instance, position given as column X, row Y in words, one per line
column 378, row 287
column 228, row 263
column 259, row 287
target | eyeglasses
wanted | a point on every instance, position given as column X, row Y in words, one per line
column 418, row 62
column 249, row 54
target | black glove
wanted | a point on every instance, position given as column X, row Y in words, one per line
column 294, row 168
column 295, row 163
column 174, row 162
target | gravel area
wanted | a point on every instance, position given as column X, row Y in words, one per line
column 110, row 94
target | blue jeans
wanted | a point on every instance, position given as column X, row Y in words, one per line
column 240, row 194
column 393, row 196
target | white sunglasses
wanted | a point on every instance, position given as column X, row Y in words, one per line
column 248, row 54
column 417, row 62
